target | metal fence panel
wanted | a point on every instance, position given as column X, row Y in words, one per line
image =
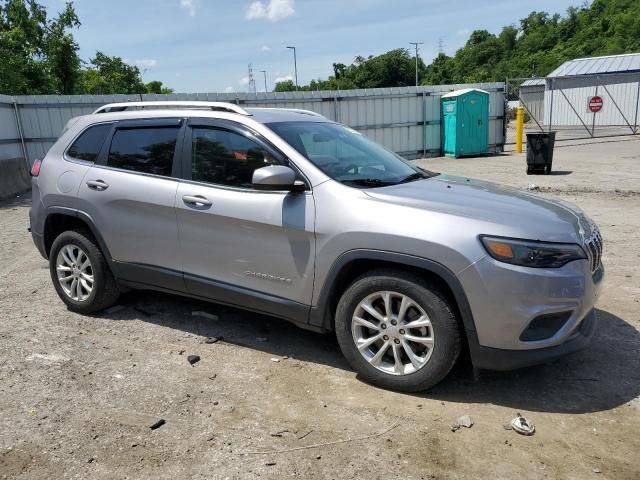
column 562, row 104
column 404, row 119
column 10, row 145
column 618, row 91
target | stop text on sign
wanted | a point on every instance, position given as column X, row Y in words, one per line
column 594, row 104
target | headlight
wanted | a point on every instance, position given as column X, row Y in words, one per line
column 529, row 253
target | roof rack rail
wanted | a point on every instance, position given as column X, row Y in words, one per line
column 306, row 112
column 296, row 110
column 175, row 104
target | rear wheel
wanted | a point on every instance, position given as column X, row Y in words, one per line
column 80, row 273
column 397, row 330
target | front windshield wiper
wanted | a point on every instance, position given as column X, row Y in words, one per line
column 369, row 182
column 413, row 176
column 422, row 174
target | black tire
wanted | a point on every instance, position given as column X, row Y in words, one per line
column 446, row 331
column 529, row 170
column 547, row 169
column 105, row 290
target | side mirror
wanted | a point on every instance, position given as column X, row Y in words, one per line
column 276, row 178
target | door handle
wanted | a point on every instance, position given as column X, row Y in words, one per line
column 196, row 200
column 99, row 185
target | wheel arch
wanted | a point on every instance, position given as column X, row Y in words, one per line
column 61, row 219
column 354, row 263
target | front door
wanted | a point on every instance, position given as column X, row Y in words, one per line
column 130, row 196
column 475, row 120
column 242, row 246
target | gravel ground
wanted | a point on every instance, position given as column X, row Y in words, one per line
column 78, row 394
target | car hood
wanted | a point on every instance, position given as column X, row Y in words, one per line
column 505, row 210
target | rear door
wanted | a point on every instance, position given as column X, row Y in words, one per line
column 238, row 243
column 130, row 196
column 475, row 125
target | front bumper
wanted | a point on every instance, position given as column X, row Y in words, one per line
column 488, row 358
column 505, row 299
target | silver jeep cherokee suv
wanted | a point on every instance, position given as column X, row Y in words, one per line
column 286, row 213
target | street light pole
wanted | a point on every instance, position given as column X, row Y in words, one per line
column 295, row 64
column 264, row 72
column 416, row 45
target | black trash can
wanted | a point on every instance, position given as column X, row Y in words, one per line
column 540, row 152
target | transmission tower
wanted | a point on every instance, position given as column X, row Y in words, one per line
column 440, row 45
column 252, row 81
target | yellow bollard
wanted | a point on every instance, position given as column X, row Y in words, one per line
column 519, row 128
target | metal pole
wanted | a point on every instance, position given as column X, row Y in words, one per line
column 416, row 45
column 21, row 135
column 635, row 120
column 264, row 72
column 593, row 122
column 295, row 64
column 519, row 128
column 505, row 112
column 551, row 105
column 424, row 124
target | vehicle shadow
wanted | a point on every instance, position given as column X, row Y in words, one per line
column 561, row 172
column 20, row 200
column 601, row 377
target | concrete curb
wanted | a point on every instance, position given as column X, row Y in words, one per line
column 14, row 177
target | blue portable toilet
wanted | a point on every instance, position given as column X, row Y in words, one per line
column 465, row 122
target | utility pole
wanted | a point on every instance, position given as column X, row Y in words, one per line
column 295, row 64
column 416, row 45
column 264, row 72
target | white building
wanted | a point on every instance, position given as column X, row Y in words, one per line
column 587, row 92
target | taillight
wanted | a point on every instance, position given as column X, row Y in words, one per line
column 35, row 169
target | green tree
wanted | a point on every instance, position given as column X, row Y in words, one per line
column 155, row 86
column 538, row 44
column 286, row 86
column 111, row 75
column 37, row 55
column 440, row 71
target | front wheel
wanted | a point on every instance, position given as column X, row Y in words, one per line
column 80, row 273
column 397, row 330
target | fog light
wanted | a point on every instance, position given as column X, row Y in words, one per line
column 545, row 326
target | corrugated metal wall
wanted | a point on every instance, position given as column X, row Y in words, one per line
column 406, row 120
column 569, row 96
column 532, row 96
column 9, row 135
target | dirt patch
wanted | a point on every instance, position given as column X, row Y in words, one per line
column 78, row 394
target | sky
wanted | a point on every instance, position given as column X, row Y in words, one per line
column 206, row 45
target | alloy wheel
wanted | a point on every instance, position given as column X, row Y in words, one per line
column 392, row 332
column 75, row 273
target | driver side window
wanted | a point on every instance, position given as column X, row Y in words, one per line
column 223, row 157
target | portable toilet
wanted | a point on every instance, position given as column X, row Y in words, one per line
column 465, row 122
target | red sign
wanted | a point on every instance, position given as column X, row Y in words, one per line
column 595, row 104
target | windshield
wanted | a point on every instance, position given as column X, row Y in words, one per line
column 346, row 155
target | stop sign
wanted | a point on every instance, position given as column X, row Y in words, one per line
column 595, row 104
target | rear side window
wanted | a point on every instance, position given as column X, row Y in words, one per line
column 145, row 150
column 88, row 144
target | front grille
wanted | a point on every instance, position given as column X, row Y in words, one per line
column 593, row 247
